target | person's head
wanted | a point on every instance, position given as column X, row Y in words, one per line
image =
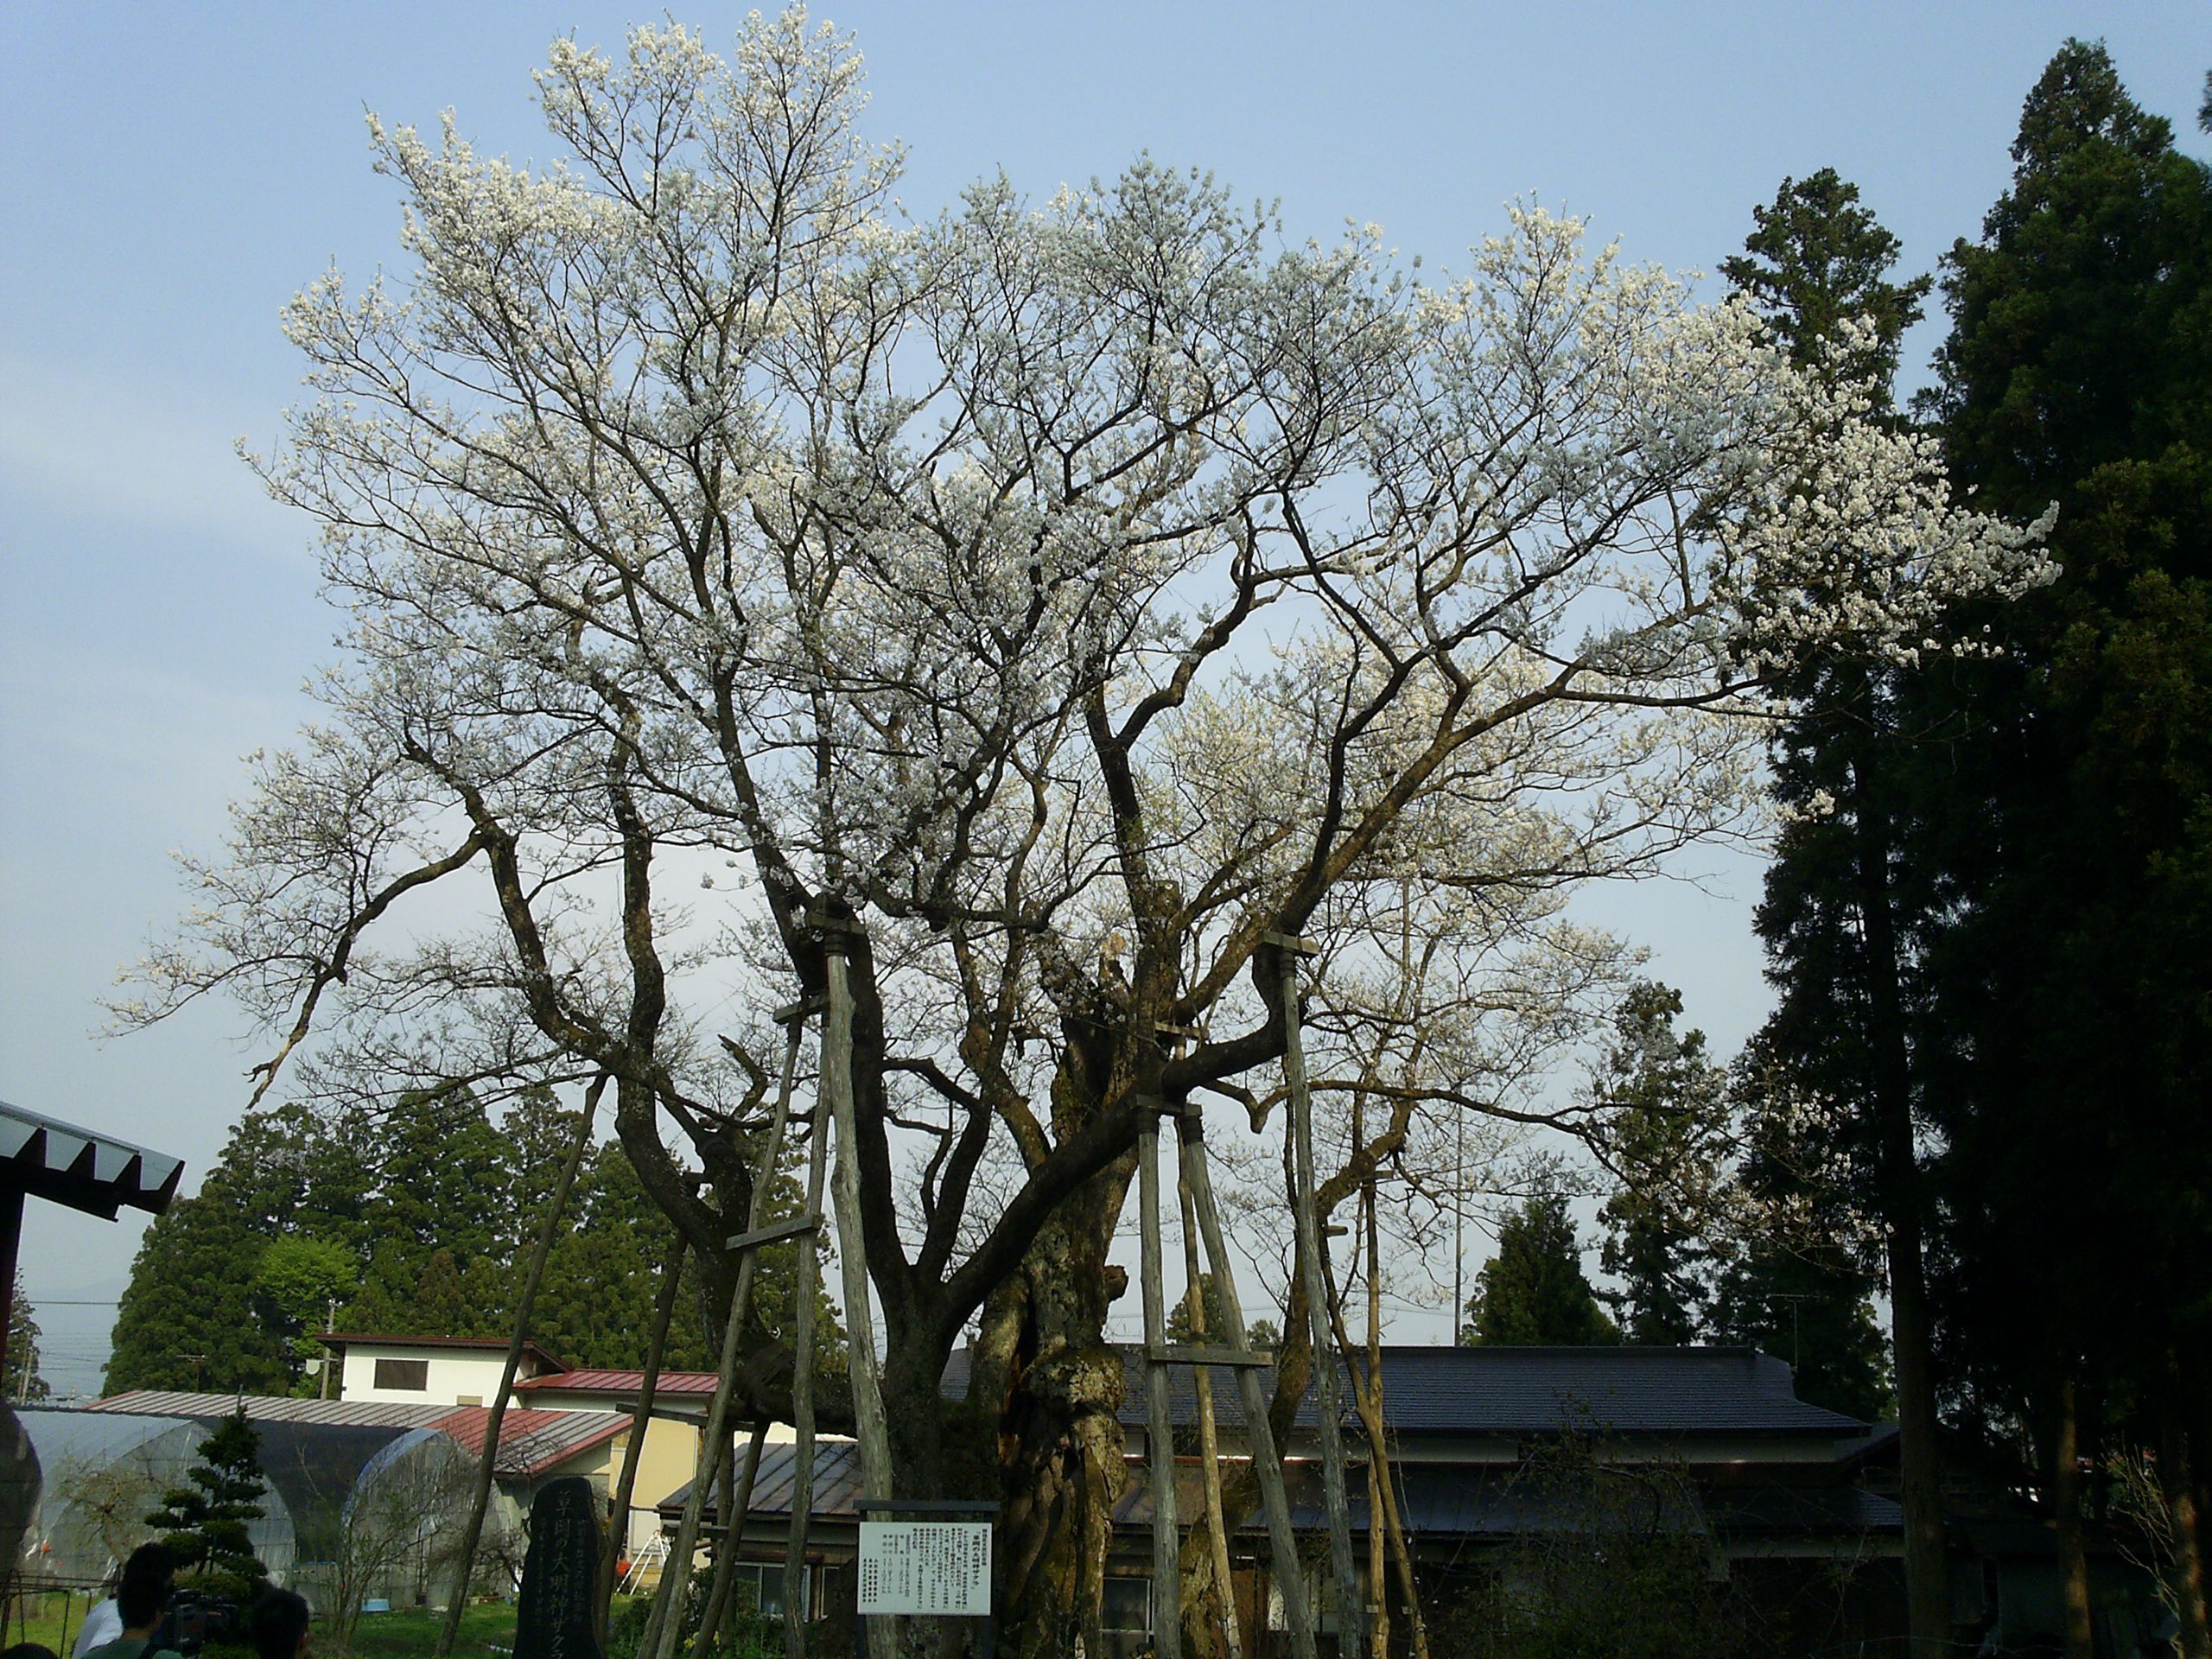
column 28, row 1651
column 144, row 1586
column 277, row 1627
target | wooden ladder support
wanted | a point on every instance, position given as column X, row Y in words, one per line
column 666, row 1634
column 817, row 1146
column 1180, row 1353
column 1312, row 1274
column 1267, row 1465
column 874, row 1432
column 791, row 1228
column 1209, row 1441
column 1159, row 1425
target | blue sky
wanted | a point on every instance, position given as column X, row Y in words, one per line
column 171, row 174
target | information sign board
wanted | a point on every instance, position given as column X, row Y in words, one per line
column 927, row 1567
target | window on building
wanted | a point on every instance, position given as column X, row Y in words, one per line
column 1128, row 1604
column 412, row 1374
column 760, row 1584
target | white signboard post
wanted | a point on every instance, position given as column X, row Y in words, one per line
column 927, row 1567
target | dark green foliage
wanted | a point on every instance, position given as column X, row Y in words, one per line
column 1259, row 1334
column 23, row 1382
column 448, row 1180
column 298, row 1281
column 186, row 1319
column 1816, row 260
column 596, row 1304
column 1837, row 916
column 415, row 1224
column 745, row 1634
column 204, row 1522
column 194, row 1314
column 1666, row 1106
column 2076, row 335
column 2073, row 991
column 1532, row 1291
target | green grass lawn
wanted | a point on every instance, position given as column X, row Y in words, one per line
column 412, row 1631
column 52, row 1619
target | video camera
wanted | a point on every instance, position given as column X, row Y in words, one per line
column 190, row 1620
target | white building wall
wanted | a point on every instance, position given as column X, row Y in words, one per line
column 452, row 1377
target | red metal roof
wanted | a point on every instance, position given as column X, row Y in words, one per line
column 604, row 1382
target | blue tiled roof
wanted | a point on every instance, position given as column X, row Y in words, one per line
column 1621, row 1390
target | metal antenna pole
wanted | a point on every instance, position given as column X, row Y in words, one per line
column 1350, row 1600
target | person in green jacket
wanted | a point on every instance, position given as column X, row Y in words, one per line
column 139, row 1600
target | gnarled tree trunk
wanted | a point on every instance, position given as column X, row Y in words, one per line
column 1061, row 1452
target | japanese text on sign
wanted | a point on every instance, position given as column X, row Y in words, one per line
column 925, row 1566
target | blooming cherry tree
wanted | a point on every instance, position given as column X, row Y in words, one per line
column 1063, row 597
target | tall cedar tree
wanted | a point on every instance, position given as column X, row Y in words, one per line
column 1534, row 1290
column 186, row 1319
column 1670, row 1104
column 2075, row 991
column 204, row 1522
column 194, row 1315
column 23, row 1382
column 1837, row 916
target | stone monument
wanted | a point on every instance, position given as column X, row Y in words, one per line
column 560, row 1574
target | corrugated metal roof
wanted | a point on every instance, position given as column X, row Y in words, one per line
column 82, row 1168
column 630, row 1382
column 1433, row 1390
column 836, row 1482
column 353, row 1414
column 532, row 1441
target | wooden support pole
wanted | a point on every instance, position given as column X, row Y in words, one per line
column 1209, row 1441
column 480, row 1501
column 1204, row 1353
column 874, row 1432
column 1159, row 1423
column 625, row 1486
column 676, row 1577
column 710, row 1613
column 732, row 1533
column 1368, row 1399
column 1350, row 1600
column 774, row 1231
column 1370, row 1391
column 1266, row 1465
column 802, row 1404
